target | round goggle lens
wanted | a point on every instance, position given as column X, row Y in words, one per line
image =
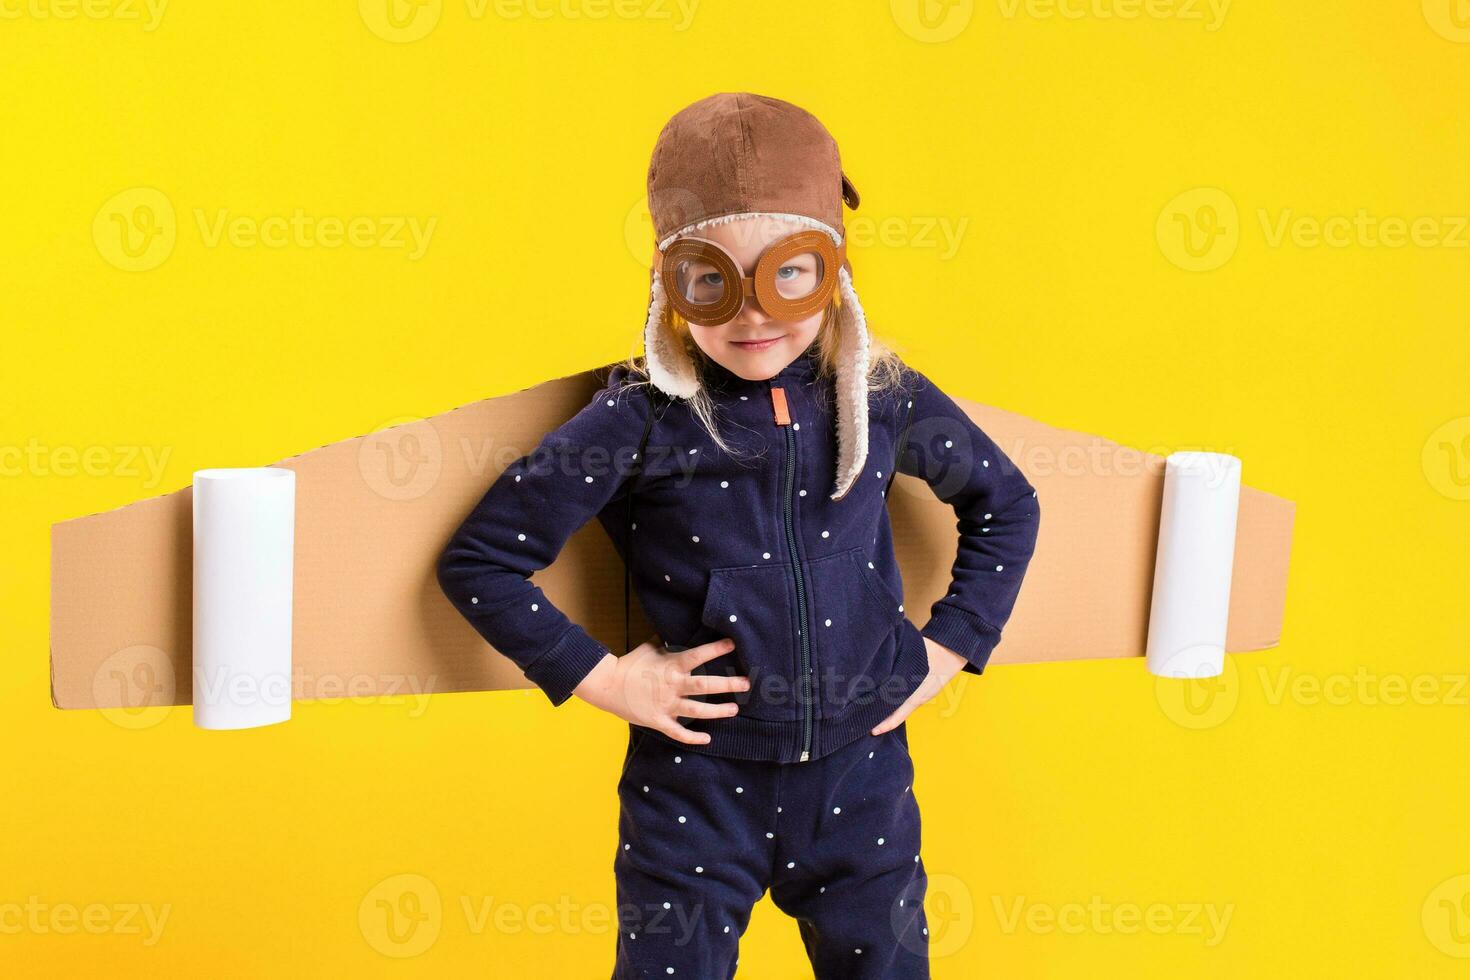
column 799, row 276
column 699, row 283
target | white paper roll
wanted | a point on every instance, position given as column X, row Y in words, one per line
column 1191, row 593
column 244, row 541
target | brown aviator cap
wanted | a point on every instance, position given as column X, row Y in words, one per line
column 736, row 153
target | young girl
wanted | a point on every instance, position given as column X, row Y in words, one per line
column 741, row 468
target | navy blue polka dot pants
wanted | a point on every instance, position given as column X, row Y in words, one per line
column 836, row 840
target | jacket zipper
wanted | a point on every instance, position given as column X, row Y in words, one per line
column 783, row 420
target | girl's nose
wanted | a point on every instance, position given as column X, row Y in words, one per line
column 751, row 312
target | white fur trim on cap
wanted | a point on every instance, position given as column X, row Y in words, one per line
column 852, row 387
column 672, row 369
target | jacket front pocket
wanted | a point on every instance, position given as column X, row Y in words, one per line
column 854, row 615
column 755, row 605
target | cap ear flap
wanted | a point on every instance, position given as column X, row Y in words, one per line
column 852, row 388
column 669, row 366
column 849, row 193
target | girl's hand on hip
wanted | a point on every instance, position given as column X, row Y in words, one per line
column 944, row 664
column 650, row 686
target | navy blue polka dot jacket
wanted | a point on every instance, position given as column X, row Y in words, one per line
column 750, row 545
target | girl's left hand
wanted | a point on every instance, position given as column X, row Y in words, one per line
column 944, row 663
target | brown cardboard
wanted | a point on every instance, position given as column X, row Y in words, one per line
column 374, row 512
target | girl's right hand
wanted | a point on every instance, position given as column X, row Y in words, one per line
column 650, row 686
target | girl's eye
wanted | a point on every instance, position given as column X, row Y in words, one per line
column 788, row 272
column 712, row 279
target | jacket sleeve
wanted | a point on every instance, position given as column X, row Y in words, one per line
column 521, row 524
column 998, row 515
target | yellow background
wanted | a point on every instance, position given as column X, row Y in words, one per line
column 1316, row 796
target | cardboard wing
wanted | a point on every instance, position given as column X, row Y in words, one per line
column 374, row 512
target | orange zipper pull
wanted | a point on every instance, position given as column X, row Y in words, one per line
column 778, row 405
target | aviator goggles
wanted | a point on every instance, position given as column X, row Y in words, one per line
column 794, row 277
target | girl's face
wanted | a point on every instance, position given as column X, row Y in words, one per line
column 754, row 346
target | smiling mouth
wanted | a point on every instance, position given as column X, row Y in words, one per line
column 755, row 344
